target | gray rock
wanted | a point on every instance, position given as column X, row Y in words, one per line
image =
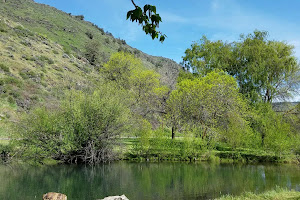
column 66, row 56
column 54, row 196
column 123, row 197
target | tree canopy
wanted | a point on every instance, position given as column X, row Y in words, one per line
column 265, row 69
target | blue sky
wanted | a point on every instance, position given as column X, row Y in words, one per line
column 186, row 21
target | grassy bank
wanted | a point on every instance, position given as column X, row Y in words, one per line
column 277, row 194
column 180, row 150
column 177, row 150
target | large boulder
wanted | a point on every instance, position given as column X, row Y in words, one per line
column 123, row 197
column 54, row 196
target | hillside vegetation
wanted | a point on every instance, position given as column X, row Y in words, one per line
column 43, row 51
column 70, row 92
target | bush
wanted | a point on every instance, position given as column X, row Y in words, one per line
column 274, row 132
column 55, row 51
column 92, row 51
column 80, row 17
column 26, row 74
column 23, row 32
column 11, row 100
column 89, row 34
column 107, row 41
column 4, row 67
column 83, row 129
column 45, row 58
column 12, row 81
column 3, row 27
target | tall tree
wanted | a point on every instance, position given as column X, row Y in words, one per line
column 206, row 102
column 265, row 69
column 144, row 87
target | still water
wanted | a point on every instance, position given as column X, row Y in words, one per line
column 144, row 181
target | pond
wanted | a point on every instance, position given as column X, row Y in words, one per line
column 144, row 181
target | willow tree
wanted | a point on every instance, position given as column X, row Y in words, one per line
column 265, row 69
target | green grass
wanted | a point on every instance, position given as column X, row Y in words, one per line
column 277, row 194
column 4, row 142
column 177, row 150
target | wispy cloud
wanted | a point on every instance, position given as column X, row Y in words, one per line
column 131, row 32
column 215, row 5
column 169, row 17
column 226, row 19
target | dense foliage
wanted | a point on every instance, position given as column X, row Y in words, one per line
column 89, row 105
column 83, row 129
column 265, row 70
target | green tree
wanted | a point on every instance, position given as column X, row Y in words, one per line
column 92, row 51
column 274, row 129
column 120, row 67
column 265, row 70
column 206, row 102
column 147, row 94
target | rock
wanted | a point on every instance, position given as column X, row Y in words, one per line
column 54, row 196
column 123, row 197
column 10, row 48
column 45, row 42
column 83, row 59
column 66, row 56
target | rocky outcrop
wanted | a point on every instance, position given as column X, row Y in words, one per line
column 54, row 196
column 123, row 197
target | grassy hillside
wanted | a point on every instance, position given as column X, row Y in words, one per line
column 42, row 52
column 72, row 33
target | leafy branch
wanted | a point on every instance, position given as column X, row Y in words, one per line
column 148, row 18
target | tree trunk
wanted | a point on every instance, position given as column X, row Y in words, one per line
column 173, row 132
column 204, row 133
column 262, row 139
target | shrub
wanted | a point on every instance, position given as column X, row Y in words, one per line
column 11, row 100
column 67, row 50
column 45, row 58
column 3, row 27
column 92, row 51
column 107, row 41
column 83, row 129
column 26, row 43
column 4, row 67
column 12, row 81
column 80, row 17
column 55, row 51
column 23, row 32
column 89, row 34
column 26, row 74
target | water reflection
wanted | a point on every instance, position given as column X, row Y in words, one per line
column 144, row 181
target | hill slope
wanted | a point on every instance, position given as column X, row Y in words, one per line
column 73, row 33
column 42, row 52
